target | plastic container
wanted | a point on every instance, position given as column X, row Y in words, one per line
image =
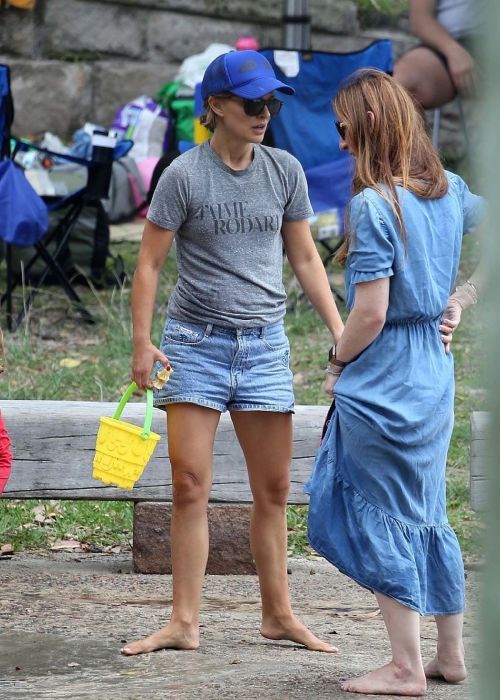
column 123, row 449
column 247, row 41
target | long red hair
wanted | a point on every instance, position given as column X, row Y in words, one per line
column 392, row 149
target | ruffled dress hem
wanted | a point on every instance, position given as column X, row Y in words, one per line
column 363, row 541
column 378, row 588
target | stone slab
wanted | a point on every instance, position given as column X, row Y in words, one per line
column 172, row 36
column 115, row 83
column 228, row 525
column 49, row 96
column 17, row 31
column 74, row 27
column 338, row 16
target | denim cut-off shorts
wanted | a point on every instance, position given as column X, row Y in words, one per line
column 244, row 369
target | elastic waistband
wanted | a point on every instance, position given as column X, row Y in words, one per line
column 415, row 321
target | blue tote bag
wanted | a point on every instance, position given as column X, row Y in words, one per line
column 23, row 215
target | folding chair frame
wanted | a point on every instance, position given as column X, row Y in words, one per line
column 436, row 124
column 61, row 234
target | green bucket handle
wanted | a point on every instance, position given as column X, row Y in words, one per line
column 149, row 408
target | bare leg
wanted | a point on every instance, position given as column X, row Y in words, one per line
column 266, row 440
column 191, row 432
column 404, row 675
column 449, row 660
column 426, row 77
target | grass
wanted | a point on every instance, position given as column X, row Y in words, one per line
column 388, row 7
column 39, row 352
column 34, row 524
column 373, row 13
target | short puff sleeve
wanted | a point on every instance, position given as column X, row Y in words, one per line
column 473, row 206
column 371, row 253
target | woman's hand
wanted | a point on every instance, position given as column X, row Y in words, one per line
column 329, row 383
column 143, row 360
column 463, row 70
column 451, row 319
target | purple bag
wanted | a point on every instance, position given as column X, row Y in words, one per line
column 23, row 215
column 146, row 124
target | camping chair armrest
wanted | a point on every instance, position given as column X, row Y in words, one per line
column 121, row 149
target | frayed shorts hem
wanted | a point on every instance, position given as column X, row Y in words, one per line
column 161, row 403
column 258, row 407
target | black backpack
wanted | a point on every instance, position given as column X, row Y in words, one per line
column 163, row 163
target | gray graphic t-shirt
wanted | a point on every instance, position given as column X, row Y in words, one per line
column 228, row 233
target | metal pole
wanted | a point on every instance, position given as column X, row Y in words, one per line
column 296, row 33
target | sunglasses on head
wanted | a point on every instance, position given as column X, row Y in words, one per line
column 253, row 108
column 341, row 128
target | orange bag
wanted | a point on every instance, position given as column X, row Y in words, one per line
column 23, row 4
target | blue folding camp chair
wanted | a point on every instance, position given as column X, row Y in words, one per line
column 24, row 215
column 305, row 125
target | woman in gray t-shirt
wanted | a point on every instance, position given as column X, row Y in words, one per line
column 231, row 204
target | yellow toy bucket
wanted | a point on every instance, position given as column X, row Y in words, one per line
column 123, row 449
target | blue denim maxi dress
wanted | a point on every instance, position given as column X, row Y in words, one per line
column 378, row 492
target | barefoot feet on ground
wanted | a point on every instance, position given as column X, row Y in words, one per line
column 168, row 637
column 294, row 631
column 389, row 680
column 450, row 667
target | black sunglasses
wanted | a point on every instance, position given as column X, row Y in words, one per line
column 341, row 128
column 253, row 108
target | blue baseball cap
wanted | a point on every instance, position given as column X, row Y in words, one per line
column 247, row 74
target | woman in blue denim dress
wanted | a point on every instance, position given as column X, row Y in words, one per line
column 378, row 490
column 231, row 204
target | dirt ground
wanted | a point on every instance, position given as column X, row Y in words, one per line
column 64, row 617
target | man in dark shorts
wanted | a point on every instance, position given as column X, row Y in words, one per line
column 443, row 65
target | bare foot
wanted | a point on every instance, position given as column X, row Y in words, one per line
column 295, row 631
column 168, row 637
column 389, row 680
column 450, row 667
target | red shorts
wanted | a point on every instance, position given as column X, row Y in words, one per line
column 5, row 455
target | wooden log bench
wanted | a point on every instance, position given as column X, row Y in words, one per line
column 479, row 457
column 53, row 444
